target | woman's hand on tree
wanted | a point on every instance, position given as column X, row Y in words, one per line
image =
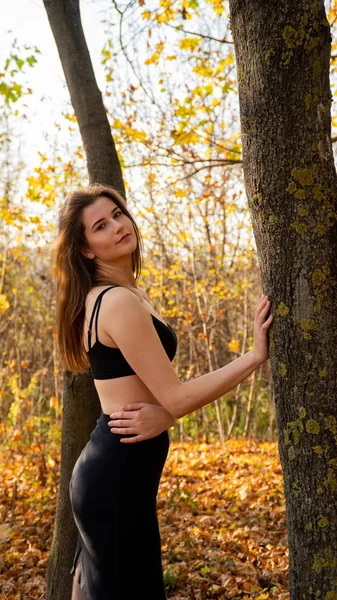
column 261, row 328
column 141, row 418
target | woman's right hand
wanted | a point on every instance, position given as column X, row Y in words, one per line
column 261, row 326
column 144, row 419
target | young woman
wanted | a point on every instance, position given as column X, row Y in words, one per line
column 106, row 321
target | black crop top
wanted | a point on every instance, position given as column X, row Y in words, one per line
column 109, row 363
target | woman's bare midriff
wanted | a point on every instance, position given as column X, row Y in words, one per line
column 113, row 393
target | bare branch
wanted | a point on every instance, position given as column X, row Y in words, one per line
column 196, row 33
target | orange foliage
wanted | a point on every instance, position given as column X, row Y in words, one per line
column 221, row 513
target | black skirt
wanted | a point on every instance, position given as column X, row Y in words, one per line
column 113, row 491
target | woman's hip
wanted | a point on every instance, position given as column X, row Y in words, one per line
column 107, row 466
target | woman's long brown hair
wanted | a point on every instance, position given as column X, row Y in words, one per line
column 76, row 275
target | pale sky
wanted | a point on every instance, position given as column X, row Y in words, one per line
column 28, row 22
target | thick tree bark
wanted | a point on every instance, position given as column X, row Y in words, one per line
column 81, row 406
column 282, row 52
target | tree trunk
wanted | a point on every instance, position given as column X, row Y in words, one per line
column 102, row 159
column 249, row 403
column 81, row 406
column 282, row 52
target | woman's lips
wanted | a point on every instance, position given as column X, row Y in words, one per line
column 124, row 238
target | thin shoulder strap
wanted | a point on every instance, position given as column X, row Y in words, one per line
column 96, row 305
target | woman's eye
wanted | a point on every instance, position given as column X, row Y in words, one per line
column 119, row 212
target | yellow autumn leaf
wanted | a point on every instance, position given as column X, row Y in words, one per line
column 5, row 530
column 218, row 6
column 189, row 43
column 203, row 70
column 188, row 137
column 167, row 15
column 234, row 345
column 4, row 304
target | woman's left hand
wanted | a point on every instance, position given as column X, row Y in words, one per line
column 142, row 418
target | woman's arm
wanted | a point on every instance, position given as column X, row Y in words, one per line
column 131, row 327
column 149, row 420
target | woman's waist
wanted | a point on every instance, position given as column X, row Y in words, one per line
column 114, row 394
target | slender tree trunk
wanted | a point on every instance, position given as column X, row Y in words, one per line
column 81, row 405
column 86, row 98
column 270, row 435
column 243, row 350
column 249, row 403
column 282, row 52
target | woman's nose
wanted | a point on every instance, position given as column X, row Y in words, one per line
column 117, row 225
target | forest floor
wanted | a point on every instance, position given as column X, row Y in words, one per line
column 221, row 513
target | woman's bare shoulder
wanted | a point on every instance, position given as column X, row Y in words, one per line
column 118, row 291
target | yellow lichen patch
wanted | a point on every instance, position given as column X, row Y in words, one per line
column 324, row 372
column 308, row 526
column 304, row 176
column 320, row 229
column 269, row 55
column 273, row 219
column 331, row 595
column 317, row 68
column 312, row 426
column 331, row 480
column 295, row 490
column 292, row 187
column 317, row 307
column 303, row 212
column 302, row 412
column 244, row 124
column 286, row 57
column 323, row 521
column 300, row 194
column 282, row 369
column 314, row 8
column 295, row 428
column 301, row 228
column 257, row 200
column 312, row 43
column 318, row 449
column 318, row 192
column 319, row 490
column 291, row 453
column 308, row 101
column 319, row 563
column 291, row 37
column 282, row 310
column 318, row 277
column 328, row 560
column 308, row 324
column 330, row 423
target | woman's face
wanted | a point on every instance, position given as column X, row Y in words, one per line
column 105, row 224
